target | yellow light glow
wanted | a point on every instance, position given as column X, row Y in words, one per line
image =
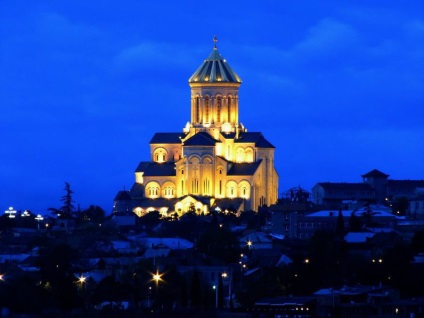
column 157, row 277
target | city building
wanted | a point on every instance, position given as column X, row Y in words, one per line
column 214, row 163
column 376, row 187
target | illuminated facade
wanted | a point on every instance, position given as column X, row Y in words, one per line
column 215, row 163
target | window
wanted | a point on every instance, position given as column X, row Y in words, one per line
column 206, row 186
column 195, row 185
column 169, row 191
column 207, row 109
column 197, row 109
column 153, row 191
column 229, row 109
column 218, row 109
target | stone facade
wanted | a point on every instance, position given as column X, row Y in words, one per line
column 214, row 163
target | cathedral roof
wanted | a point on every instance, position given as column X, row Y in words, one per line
column 214, row 69
column 229, row 135
column 167, row 138
column 122, row 196
column 154, row 169
column 244, row 169
column 137, row 190
column 254, row 137
column 201, row 139
column 142, row 166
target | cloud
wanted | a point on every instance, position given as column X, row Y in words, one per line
column 151, row 55
column 327, row 38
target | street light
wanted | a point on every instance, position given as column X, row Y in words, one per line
column 225, row 275
column 216, row 295
column 11, row 212
column 82, row 279
column 249, row 243
column 157, row 277
column 39, row 218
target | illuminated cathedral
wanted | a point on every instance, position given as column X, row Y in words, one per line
column 214, row 163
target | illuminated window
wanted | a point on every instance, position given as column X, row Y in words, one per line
column 195, row 185
column 169, row 192
column 206, row 186
column 207, row 109
column 153, row 191
column 229, row 109
column 218, row 109
column 244, row 191
column 197, row 109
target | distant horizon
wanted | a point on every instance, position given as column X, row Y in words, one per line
column 336, row 87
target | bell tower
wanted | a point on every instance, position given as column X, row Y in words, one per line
column 214, row 95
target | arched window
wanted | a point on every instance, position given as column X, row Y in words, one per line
column 229, row 109
column 218, row 109
column 153, row 191
column 197, row 109
column 207, row 109
column 169, row 192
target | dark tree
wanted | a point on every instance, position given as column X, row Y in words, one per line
column 355, row 223
column 94, row 213
column 67, row 207
column 220, row 243
column 65, row 212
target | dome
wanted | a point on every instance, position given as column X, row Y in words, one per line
column 214, row 69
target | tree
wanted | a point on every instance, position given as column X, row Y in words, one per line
column 93, row 213
column 66, row 210
column 67, row 207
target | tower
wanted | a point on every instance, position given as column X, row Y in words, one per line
column 215, row 163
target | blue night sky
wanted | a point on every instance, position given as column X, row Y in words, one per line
column 336, row 86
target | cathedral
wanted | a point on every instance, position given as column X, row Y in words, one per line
column 214, row 163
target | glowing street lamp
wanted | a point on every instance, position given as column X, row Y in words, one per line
column 11, row 212
column 157, row 278
column 226, row 276
column 39, row 218
column 25, row 214
column 215, row 288
column 82, row 279
column 249, row 243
